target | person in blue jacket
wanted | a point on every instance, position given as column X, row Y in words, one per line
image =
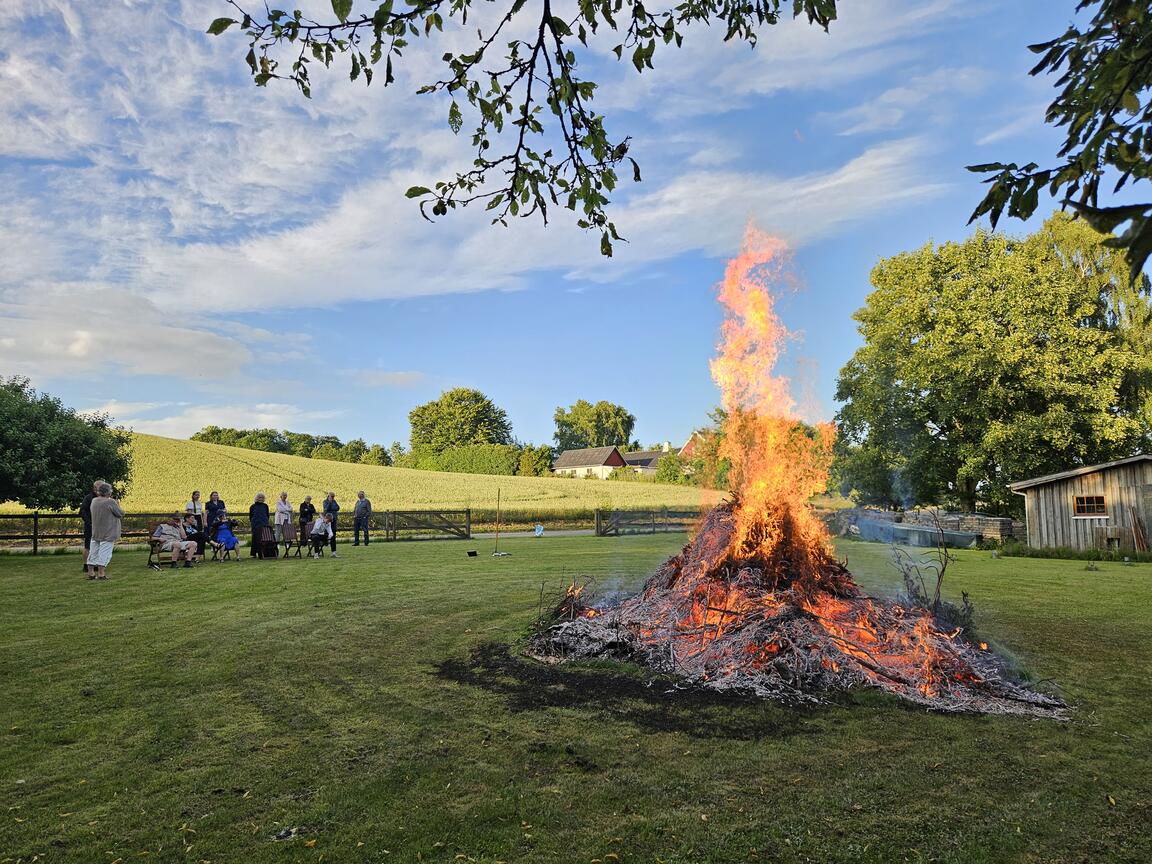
column 331, row 508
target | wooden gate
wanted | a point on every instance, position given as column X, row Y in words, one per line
column 428, row 524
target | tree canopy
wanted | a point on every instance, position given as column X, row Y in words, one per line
column 993, row 360
column 537, row 139
column 460, row 417
column 51, row 454
column 586, row 425
column 1105, row 109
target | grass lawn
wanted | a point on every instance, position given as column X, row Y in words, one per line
column 194, row 715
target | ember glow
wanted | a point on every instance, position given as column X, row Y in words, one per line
column 757, row 602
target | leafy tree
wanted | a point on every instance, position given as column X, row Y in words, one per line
column 1105, row 109
column 670, row 469
column 268, row 440
column 537, row 140
column 459, row 417
column 354, row 450
column 328, row 451
column 51, row 454
column 586, row 425
column 707, row 467
column 376, row 455
column 535, row 461
column 989, row 361
column 397, row 453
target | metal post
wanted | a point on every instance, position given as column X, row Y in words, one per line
column 35, row 532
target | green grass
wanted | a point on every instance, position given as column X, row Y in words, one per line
column 166, row 470
column 211, row 709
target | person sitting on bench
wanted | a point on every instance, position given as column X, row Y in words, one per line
column 321, row 535
column 174, row 540
column 223, row 538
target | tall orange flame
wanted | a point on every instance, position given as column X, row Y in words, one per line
column 778, row 463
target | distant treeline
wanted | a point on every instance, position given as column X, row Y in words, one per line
column 509, row 459
column 297, row 444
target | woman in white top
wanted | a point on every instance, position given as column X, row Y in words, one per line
column 196, row 508
column 283, row 515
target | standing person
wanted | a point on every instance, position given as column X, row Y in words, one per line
column 258, row 520
column 214, row 509
column 307, row 514
column 106, row 516
column 283, row 516
column 361, row 513
column 331, row 509
column 86, row 518
column 196, row 508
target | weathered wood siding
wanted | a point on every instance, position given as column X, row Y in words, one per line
column 1049, row 508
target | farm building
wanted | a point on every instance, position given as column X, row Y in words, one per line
column 644, row 461
column 589, row 462
column 1104, row 506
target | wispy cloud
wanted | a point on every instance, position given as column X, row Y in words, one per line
column 193, row 418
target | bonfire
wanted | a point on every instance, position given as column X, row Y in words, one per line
column 757, row 603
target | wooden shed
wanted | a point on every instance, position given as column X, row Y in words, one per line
column 1104, row 506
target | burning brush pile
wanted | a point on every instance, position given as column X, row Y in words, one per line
column 757, row 603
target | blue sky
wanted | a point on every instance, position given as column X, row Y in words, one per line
column 181, row 248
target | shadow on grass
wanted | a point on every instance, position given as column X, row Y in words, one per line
column 650, row 705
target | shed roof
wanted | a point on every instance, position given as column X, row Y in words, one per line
column 586, row 458
column 1021, row 485
column 642, row 458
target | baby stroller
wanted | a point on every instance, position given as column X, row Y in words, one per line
column 224, row 541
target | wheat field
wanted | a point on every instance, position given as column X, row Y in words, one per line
column 166, row 470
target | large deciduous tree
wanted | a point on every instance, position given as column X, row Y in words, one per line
column 994, row 360
column 1105, row 109
column 587, row 425
column 51, row 454
column 536, row 138
column 460, row 416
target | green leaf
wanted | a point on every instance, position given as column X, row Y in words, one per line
column 635, row 170
column 455, row 119
column 1131, row 102
column 605, row 245
column 220, row 25
column 417, row 191
column 342, row 8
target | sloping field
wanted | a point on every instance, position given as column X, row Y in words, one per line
column 167, row 470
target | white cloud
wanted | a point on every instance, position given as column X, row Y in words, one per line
column 926, row 98
column 193, row 418
column 151, row 192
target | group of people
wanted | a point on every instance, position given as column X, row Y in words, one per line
column 203, row 524
column 319, row 527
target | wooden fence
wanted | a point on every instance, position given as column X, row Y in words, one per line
column 35, row 528
column 613, row 523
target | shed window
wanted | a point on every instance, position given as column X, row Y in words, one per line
column 1089, row 505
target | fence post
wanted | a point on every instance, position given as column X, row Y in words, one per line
column 653, row 515
column 598, row 524
column 35, row 532
column 467, row 523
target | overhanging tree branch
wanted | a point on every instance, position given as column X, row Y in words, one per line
column 569, row 160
